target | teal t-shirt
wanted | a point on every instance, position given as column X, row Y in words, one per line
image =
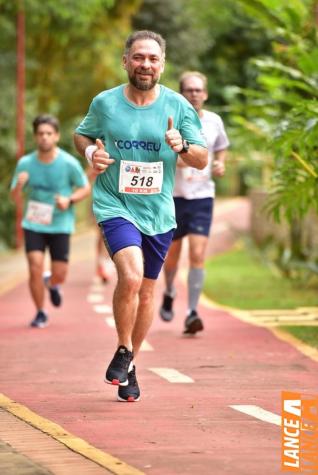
column 137, row 134
column 46, row 180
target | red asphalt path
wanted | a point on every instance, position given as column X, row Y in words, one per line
column 176, row 428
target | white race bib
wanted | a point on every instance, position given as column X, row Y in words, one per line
column 41, row 213
column 144, row 178
column 194, row 175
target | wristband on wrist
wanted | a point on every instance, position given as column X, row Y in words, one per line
column 89, row 151
column 185, row 146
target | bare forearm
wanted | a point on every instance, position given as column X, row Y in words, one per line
column 81, row 142
column 221, row 155
column 180, row 162
column 80, row 193
column 196, row 157
column 219, row 163
column 16, row 193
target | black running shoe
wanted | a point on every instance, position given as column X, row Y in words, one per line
column 166, row 312
column 55, row 293
column 40, row 320
column 117, row 371
column 131, row 392
column 55, row 296
column 193, row 323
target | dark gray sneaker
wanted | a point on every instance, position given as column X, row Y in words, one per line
column 166, row 312
column 40, row 320
column 55, row 292
column 117, row 371
column 131, row 392
column 193, row 324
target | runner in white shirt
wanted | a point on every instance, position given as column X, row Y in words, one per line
column 194, row 194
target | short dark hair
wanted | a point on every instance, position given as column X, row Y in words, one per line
column 145, row 35
column 46, row 119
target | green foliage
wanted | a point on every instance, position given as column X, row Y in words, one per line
column 241, row 279
column 260, row 57
column 236, row 39
column 294, row 183
column 279, row 116
column 86, row 47
column 285, row 14
column 285, row 103
column 7, row 214
column 73, row 51
column 174, row 21
column 214, row 36
column 308, row 334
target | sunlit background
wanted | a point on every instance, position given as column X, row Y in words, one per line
column 261, row 59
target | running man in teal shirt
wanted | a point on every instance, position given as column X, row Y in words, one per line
column 52, row 181
column 131, row 136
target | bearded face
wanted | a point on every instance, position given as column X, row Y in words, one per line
column 143, row 80
column 144, row 64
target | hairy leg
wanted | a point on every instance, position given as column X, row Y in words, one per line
column 59, row 271
column 171, row 264
column 145, row 312
column 129, row 264
column 36, row 285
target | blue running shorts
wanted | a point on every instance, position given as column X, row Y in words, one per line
column 119, row 233
column 193, row 216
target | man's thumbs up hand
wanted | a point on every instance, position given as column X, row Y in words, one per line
column 100, row 144
column 100, row 158
column 170, row 123
column 173, row 137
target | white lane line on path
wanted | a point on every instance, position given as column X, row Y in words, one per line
column 110, row 322
column 145, row 346
column 95, row 298
column 172, row 375
column 259, row 413
column 103, row 308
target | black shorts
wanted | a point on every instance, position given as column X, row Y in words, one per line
column 58, row 244
column 193, row 216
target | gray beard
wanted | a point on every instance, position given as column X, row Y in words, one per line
column 142, row 85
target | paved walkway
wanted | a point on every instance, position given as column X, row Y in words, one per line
column 210, row 404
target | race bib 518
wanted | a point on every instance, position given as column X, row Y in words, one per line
column 140, row 177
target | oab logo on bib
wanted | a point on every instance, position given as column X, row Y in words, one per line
column 140, row 177
column 40, row 213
